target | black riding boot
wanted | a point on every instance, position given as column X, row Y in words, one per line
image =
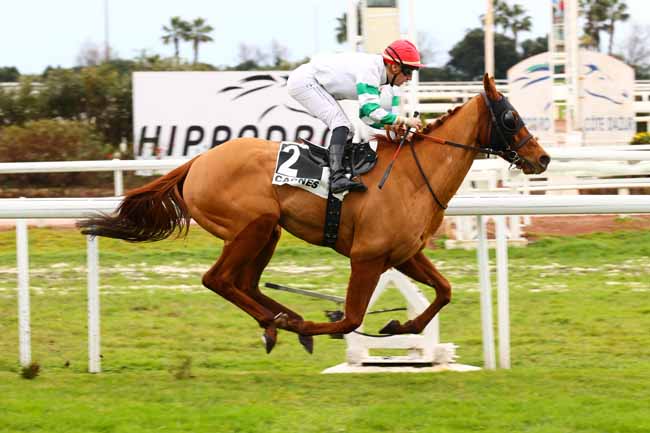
column 338, row 180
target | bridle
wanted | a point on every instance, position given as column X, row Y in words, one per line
column 504, row 124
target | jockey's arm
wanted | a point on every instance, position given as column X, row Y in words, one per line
column 373, row 114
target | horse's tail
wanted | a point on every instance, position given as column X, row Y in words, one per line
column 149, row 213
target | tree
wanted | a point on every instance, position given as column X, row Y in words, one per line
column 425, row 47
column 341, row 29
column 9, row 74
column 197, row 34
column 636, row 51
column 279, row 53
column 530, row 47
column 89, row 54
column 510, row 18
column 617, row 11
column 594, row 15
column 602, row 15
column 468, row 55
column 520, row 22
column 250, row 57
column 178, row 30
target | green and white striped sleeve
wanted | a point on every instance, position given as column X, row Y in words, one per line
column 370, row 110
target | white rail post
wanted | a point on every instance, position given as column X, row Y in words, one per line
column 486, row 295
column 503, row 304
column 22, row 262
column 118, row 180
column 94, row 365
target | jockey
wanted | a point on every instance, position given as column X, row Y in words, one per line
column 317, row 86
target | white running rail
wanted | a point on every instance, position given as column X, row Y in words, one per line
column 500, row 205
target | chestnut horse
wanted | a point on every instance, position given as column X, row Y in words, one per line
column 228, row 192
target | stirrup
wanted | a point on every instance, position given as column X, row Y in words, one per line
column 346, row 184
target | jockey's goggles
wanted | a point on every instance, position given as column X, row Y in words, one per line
column 408, row 70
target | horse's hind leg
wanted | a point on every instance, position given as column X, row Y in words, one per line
column 236, row 256
column 420, row 268
column 250, row 278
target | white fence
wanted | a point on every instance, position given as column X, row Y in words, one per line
column 579, row 161
column 469, row 205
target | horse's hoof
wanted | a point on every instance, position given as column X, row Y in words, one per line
column 269, row 338
column 281, row 320
column 391, row 328
column 307, row 342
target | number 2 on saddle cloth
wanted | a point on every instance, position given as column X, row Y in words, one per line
column 302, row 165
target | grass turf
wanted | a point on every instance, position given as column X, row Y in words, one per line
column 175, row 357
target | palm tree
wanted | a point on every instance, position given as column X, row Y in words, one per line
column 617, row 12
column 501, row 15
column 519, row 21
column 511, row 18
column 198, row 34
column 342, row 28
column 602, row 15
column 178, row 30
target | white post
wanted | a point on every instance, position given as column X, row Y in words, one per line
column 94, row 365
column 572, row 70
column 503, row 304
column 22, row 262
column 415, row 79
column 118, row 181
column 352, row 26
column 486, row 295
column 489, row 38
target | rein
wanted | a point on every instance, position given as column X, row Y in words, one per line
column 505, row 125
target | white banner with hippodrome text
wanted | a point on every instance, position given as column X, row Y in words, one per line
column 181, row 114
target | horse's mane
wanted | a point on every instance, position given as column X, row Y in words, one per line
column 428, row 127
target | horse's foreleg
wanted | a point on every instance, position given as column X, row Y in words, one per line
column 420, row 268
column 363, row 280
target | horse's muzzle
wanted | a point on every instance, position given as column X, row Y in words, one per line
column 537, row 166
column 543, row 162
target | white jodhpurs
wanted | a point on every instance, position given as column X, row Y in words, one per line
column 304, row 88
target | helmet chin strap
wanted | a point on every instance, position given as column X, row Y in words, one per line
column 392, row 81
column 397, row 61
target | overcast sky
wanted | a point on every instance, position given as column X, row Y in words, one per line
column 38, row 33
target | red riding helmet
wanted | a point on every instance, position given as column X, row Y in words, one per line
column 403, row 53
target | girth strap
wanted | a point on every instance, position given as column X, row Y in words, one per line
column 332, row 220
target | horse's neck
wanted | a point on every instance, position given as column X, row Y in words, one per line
column 447, row 165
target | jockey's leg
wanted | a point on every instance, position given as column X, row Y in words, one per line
column 304, row 88
column 339, row 182
column 420, row 268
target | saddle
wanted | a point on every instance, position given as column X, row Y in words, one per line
column 359, row 158
column 303, row 165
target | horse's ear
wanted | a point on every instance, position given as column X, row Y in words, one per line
column 490, row 88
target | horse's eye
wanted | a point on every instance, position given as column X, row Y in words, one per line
column 509, row 120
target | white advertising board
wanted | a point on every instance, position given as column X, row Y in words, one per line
column 531, row 93
column 607, row 99
column 181, row 114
